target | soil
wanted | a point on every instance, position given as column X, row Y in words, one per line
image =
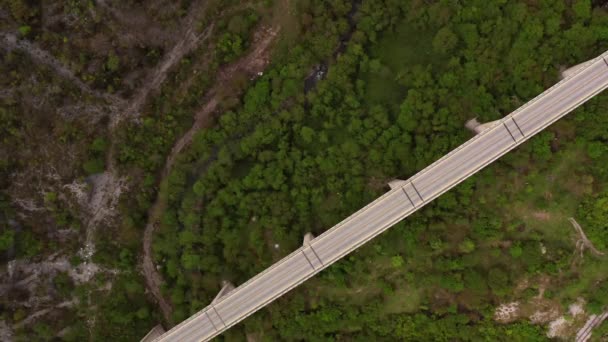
column 544, row 310
column 558, row 327
column 507, row 312
column 100, row 204
column 541, row 215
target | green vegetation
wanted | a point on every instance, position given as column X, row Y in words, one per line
column 97, row 152
column 275, row 160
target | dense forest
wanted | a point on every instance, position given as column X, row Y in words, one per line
column 356, row 93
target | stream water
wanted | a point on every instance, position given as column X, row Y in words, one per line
column 319, row 71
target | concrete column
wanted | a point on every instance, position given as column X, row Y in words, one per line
column 307, row 238
column 226, row 288
column 155, row 333
column 572, row 70
column 396, row 183
column 477, row 127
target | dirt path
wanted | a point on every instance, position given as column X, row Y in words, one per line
column 584, row 239
column 189, row 41
column 154, row 80
column 42, row 312
column 251, row 64
column 154, row 280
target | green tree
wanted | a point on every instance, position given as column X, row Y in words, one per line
column 93, row 166
column 466, row 246
column 498, row 280
column 307, row 134
column 113, row 62
column 582, row 9
column 7, row 239
column 397, row 261
column 515, row 250
column 445, row 41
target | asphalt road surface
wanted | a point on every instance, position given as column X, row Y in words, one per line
column 362, row 226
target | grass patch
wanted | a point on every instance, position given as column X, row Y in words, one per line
column 553, row 195
column 405, row 299
column 358, row 294
column 543, row 199
column 405, row 47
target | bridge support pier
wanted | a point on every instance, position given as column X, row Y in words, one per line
column 307, row 238
column 477, row 127
column 396, row 183
column 572, row 70
column 226, row 288
column 153, row 334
